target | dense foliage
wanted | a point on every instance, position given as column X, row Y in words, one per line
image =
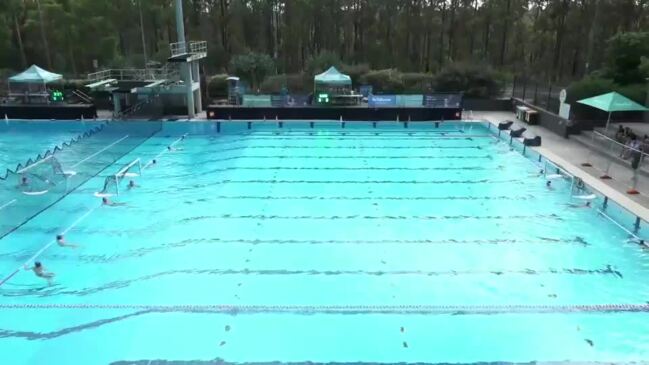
column 551, row 39
column 557, row 38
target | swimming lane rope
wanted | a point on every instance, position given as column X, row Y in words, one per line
column 349, row 309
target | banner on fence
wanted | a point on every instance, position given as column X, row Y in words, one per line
column 378, row 101
column 410, row 101
column 250, row 100
column 443, row 100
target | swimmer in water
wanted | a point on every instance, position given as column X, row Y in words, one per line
column 40, row 271
column 548, row 184
column 106, row 201
column 638, row 241
column 24, row 181
column 60, row 240
column 132, row 184
column 584, row 205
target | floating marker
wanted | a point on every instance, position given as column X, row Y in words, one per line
column 585, row 197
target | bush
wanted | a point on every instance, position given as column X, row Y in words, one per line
column 321, row 62
column 473, row 80
column 294, row 83
column 384, row 81
column 217, row 86
column 635, row 92
column 355, row 72
column 417, row 83
column 273, row 84
column 587, row 87
column 593, row 86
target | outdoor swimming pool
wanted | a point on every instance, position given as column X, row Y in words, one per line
column 297, row 244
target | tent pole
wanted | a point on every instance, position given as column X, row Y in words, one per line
column 608, row 121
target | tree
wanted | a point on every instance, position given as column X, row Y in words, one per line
column 625, row 53
column 252, row 67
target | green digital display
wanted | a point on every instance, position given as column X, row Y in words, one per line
column 56, row 95
column 323, row 98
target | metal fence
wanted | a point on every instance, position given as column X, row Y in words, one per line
column 540, row 94
column 617, row 160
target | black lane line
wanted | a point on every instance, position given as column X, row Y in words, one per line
column 57, row 291
column 372, row 217
column 143, row 251
column 371, row 198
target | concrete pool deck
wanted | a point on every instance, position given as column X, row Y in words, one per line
column 570, row 154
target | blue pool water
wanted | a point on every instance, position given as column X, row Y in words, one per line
column 321, row 242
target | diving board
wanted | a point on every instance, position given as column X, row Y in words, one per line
column 97, row 84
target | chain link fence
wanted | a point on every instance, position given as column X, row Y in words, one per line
column 543, row 95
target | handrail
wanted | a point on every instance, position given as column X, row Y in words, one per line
column 81, row 95
column 133, row 74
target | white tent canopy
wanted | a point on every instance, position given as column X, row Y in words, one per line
column 35, row 75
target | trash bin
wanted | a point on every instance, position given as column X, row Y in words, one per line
column 532, row 116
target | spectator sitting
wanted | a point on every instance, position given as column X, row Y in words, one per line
column 620, row 135
column 633, row 146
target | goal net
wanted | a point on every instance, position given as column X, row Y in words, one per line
column 114, row 183
column 41, row 175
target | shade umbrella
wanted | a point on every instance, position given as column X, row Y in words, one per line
column 612, row 102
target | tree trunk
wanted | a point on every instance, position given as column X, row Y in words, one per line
column 441, row 36
column 146, row 61
column 592, row 37
column 487, row 31
column 503, row 41
column 556, row 64
column 19, row 38
column 474, row 3
column 451, row 31
column 48, row 57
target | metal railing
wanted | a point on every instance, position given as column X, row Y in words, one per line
column 149, row 108
column 193, row 47
column 619, row 160
column 136, row 74
column 178, row 48
column 198, row 47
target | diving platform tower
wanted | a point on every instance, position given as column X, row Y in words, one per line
column 188, row 55
column 175, row 85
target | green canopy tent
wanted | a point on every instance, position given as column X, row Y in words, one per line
column 612, row 102
column 34, row 75
column 331, row 83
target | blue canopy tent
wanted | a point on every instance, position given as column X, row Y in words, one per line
column 34, row 82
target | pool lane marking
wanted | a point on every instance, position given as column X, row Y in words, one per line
column 165, row 150
column 7, row 204
column 349, row 309
column 39, row 252
column 100, row 151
